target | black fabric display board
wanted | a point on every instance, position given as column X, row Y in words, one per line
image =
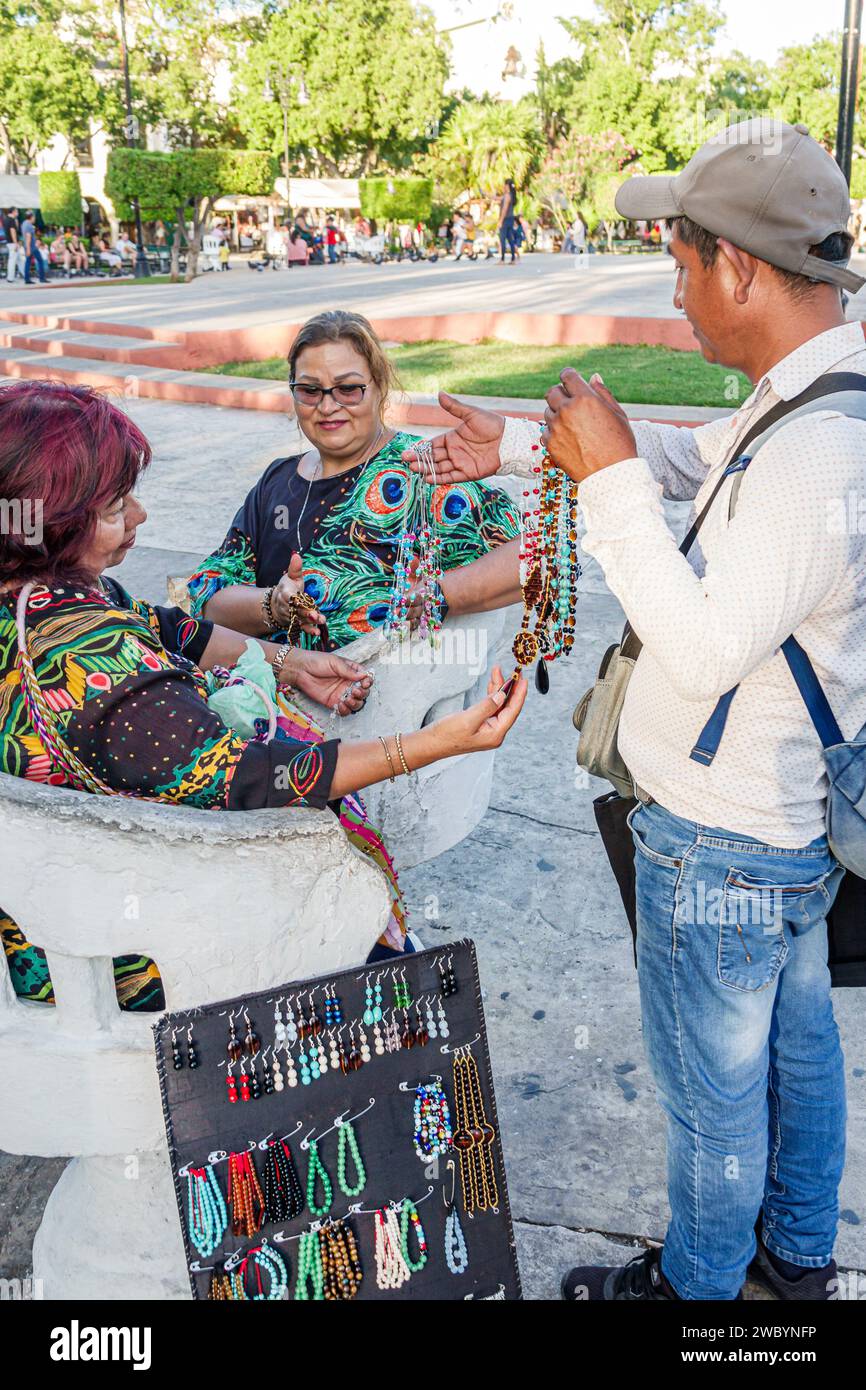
column 201, row 1123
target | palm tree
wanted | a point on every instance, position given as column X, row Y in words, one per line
column 491, row 141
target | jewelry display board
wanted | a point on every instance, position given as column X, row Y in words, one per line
column 338, row 1138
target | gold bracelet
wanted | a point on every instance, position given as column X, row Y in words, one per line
column 278, row 660
column 400, row 751
column 390, row 759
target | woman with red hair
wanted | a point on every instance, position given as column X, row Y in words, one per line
column 101, row 692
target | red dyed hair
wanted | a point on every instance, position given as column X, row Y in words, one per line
column 70, row 449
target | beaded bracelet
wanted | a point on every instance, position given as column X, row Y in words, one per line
column 267, row 611
column 403, row 762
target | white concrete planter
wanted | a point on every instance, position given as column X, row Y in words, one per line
column 224, row 903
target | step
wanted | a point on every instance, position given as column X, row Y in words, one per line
column 61, row 342
column 252, row 393
column 156, row 383
column 64, row 323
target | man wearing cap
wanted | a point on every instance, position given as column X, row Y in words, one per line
column 734, row 874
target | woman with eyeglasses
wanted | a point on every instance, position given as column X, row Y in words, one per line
column 330, row 519
column 104, row 693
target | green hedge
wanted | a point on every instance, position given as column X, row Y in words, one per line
column 60, row 198
column 397, row 199
column 163, row 181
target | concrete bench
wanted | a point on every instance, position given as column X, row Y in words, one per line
column 224, row 903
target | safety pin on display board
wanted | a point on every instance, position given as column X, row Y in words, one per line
column 220, row 1155
column 461, row 1047
column 413, row 1086
column 338, row 1124
column 198, row 1268
column 355, row 1210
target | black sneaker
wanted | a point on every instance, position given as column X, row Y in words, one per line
column 641, row 1280
column 812, row 1286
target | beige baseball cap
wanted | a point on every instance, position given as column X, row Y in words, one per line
column 764, row 185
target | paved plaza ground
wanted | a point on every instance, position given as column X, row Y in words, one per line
column 582, row 1131
column 602, row 284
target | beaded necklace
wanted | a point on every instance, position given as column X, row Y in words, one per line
column 310, row 1271
column 391, row 1268
column 409, row 1219
column 245, row 1196
column 284, row 1198
column 265, row 1260
column 207, row 1210
column 473, row 1138
column 341, row 1263
column 456, row 1254
column 432, row 1122
column 421, row 543
column 549, row 568
column 347, row 1140
column 316, row 1172
column 317, row 476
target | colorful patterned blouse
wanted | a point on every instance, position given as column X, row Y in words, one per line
column 128, row 699
column 120, row 678
column 348, row 529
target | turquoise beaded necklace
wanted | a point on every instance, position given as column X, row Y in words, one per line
column 207, row 1210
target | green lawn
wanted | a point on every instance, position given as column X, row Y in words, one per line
column 640, row 375
column 112, row 281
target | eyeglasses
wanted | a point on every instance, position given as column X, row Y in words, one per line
column 351, row 393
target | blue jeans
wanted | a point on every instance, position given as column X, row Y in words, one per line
column 35, row 255
column 740, row 1035
column 508, row 237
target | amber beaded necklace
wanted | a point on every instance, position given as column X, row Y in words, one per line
column 549, row 569
column 473, row 1137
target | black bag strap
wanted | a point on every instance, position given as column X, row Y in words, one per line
column 830, row 384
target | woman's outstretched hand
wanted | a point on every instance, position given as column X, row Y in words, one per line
column 474, row 730
column 329, row 679
column 482, row 726
column 464, row 454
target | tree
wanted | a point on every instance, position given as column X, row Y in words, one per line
column 184, row 185
column 582, row 175
column 804, row 86
column 396, row 199
column 620, row 82
column 47, row 88
column 372, row 73
column 60, row 198
column 483, row 144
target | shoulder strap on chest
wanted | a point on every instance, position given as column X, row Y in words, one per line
column 844, row 392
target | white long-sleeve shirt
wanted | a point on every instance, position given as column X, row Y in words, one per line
column 791, row 560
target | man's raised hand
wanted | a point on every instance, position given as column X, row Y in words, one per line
column 464, row 454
